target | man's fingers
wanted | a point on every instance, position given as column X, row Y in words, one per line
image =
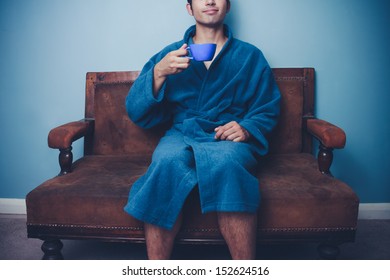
column 226, row 130
column 173, row 63
column 220, row 130
column 182, row 60
column 224, row 134
column 179, row 60
column 233, row 136
column 181, row 52
column 231, row 132
column 181, row 65
column 177, row 64
column 238, row 139
column 228, row 133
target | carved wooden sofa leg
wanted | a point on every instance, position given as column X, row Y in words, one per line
column 329, row 250
column 325, row 159
column 52, row 249
column 65, row 159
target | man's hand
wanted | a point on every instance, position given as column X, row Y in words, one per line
column 173, row 63
column 232, row 132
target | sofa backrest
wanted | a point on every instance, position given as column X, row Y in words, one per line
column 116, row 134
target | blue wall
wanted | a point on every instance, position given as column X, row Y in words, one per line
column 47, row 46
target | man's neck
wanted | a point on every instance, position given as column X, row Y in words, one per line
column 209, row 35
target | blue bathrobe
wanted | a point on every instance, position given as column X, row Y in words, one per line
column 238, row 86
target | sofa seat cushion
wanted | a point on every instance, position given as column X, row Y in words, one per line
column 88, row 200
column 296, row 197
column 297, row 201
column 296, row 194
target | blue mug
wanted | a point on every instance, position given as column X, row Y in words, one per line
column 202, row 52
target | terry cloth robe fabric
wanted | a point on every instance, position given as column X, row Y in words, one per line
column 238, row 86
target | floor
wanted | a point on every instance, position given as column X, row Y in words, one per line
column 372, row 243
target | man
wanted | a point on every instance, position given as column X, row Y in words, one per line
column 221, row 112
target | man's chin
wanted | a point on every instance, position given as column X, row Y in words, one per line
column 213, row 25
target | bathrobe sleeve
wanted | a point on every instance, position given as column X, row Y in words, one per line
column 263, row 109
column 143, row 108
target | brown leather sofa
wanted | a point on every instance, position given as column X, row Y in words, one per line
column 301, row 201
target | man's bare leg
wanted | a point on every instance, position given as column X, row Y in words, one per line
column 239, row 231
column 160, row 241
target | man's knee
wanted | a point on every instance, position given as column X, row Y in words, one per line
column 233, row 154
column 171, row 155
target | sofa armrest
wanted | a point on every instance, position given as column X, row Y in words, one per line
column 62, row 138
column 331, row 137
column 328, row 134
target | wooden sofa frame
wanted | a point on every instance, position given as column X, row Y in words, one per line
column 301, row 201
